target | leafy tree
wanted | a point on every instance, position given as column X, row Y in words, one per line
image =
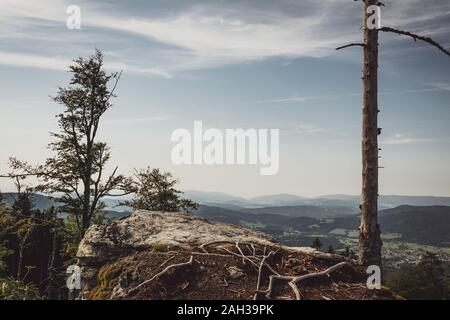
column 428, row 280
column 317, row 244
column 30, row 249
column 75, row 175
column 14, row 228
column 155, row 190
column 4, row 252
column 347, row 251
column 12, row 289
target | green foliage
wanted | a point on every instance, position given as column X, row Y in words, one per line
column 13, row 227
column 71, row 239
column 161, row 247
column 106, row 280
column 4, row 252
column 155, row 190
column 348, row 253
column 100, row 216
column 30, row 249
column 317, row 244
column 11, row 289
column 429, row 280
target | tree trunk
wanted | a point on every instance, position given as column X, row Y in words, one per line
column 369, row 231
column 51, row 287
column 85, row 219
column 22, row 245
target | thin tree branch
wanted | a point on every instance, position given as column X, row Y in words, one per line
column 263, row 260
column 416, row 37
column 21, row 175
column 293, row 280
column 351, row 45
column 117, row 76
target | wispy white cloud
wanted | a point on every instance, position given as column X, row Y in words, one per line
column 60, row 63
column 127, row 121
column 139, row 69
column 440, row 86
column 299, row 99
column 400, row 138
column 431, row 87
column 198, row 36
column 33, row 61
column 306, row 129
column 310, row 129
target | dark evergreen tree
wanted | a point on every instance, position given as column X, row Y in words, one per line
column 317, row 244
column 428, row 280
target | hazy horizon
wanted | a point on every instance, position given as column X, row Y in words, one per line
column 249, row 197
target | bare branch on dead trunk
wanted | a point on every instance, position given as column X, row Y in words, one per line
column 416, row 37
column 351, row 45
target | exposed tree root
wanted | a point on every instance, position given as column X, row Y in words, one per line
column 172, row 266
column 204, row 245
column 263, row 260
column 260, row 261
column 293, row 280
column 257, row 261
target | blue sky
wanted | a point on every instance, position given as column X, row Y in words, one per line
column 238, row 64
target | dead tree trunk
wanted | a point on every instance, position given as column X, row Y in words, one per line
column 369, row 230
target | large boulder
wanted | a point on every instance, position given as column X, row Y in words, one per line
column 146, row 229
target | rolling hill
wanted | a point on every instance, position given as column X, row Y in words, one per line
column 427, row 225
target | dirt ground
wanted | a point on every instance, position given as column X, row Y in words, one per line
column 222, row 273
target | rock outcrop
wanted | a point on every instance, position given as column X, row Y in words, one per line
column 146, row 229
column 163, row 255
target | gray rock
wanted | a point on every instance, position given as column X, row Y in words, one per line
column 153, row 230
column 147, row 229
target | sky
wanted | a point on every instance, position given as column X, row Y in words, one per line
column 238, row 64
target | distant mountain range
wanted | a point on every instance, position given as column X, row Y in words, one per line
column 317, row 211
column 423, row 220
column 285, row 204
column 411, row 225
column 386, row 201
column 40, row 202
column 427, row 225
column 43, row 202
